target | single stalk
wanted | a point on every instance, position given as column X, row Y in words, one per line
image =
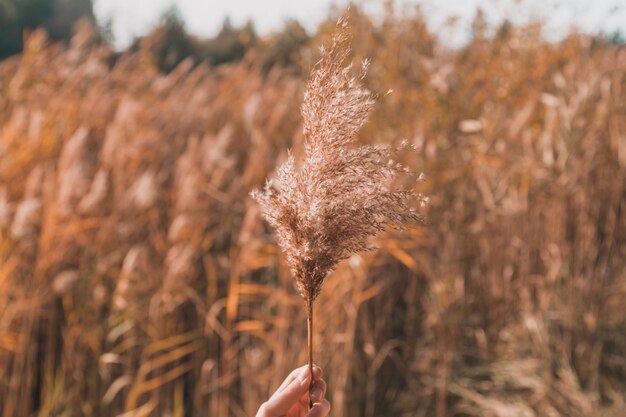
column 310, row 342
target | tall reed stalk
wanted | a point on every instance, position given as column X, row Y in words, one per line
column 309, row 316
column 326, row 209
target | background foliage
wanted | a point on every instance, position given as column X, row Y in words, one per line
column 136, row 274
column 58, row 17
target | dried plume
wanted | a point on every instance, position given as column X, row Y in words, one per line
column 327, row 208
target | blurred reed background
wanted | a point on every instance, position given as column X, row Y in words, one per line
column 137, row 277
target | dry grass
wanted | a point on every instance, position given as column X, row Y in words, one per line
column 327, row 208
column 136, row 276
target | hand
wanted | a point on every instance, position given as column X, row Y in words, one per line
column 291, row 399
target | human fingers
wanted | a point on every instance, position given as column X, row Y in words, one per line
column 293, row 375
column 320, row 409
column 317, row 374
column 282, row 401
column 318, row 391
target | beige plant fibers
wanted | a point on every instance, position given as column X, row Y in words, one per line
column 327, row 208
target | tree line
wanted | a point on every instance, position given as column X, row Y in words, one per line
column 169, row 41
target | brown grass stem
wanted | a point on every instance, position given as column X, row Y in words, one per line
column 310, row 344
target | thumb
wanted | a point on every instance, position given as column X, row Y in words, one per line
column 280, row 403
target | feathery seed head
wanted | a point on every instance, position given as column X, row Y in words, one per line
column 327, row 208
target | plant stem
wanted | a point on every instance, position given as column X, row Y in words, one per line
column 310, row 343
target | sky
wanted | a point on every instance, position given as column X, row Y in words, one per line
column 133, row 18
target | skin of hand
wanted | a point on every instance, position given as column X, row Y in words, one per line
column 291, row 399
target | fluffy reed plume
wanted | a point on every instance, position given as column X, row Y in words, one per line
column 326, row 209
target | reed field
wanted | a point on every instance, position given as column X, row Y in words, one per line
column 138, row 277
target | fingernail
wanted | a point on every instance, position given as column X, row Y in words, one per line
column 304, row 375
column 316, row 395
